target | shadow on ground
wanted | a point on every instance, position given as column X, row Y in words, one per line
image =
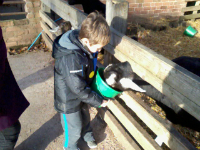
column 37, row 77
column 41, row 138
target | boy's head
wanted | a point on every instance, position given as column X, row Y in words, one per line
column 94, row 32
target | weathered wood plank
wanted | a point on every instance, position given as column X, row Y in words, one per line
column 13, row 2
column 179, row 78
column 159, row 84
column 142, row 137
column 119, row 132
column 46, row 30
column 47, row 19
column 191, row 8
column 14, row 13
column 193, row 16
column 163, row 128
column 67, row 12
column 47, row 40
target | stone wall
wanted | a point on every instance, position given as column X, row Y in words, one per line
column 24, row 31
column 141, row 11
column 154, row 8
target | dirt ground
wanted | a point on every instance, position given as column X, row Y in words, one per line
column 41, row 128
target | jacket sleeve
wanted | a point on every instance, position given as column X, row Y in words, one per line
column 75, row 81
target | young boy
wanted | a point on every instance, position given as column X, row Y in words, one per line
column 75, row 53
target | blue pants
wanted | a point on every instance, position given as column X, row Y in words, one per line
column 76, row 125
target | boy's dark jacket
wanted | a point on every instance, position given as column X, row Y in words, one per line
column 73, row 66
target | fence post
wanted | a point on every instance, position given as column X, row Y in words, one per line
column 116, row 16
column 48, row 11
column 45, row 8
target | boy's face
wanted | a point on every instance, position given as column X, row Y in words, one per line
column 94, row 48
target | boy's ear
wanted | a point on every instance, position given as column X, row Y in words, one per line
column 85, row 41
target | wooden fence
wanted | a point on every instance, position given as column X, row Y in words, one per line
column 194, row 10
column 13, row 13
column 175, row 82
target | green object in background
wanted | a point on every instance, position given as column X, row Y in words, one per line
column 100, row 87
column 189, row 31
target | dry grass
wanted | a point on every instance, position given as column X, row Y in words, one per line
column 36, row 47
column 171, row 43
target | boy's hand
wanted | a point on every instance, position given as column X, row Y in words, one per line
column 104, row 103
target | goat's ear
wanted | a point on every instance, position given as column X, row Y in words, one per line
column 129, row 84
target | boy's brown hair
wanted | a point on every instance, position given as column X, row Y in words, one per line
column 95, row 29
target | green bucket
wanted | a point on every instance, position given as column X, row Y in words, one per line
column 189, row 31
column 100, row 87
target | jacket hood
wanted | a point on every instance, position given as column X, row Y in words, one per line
column 68, row 43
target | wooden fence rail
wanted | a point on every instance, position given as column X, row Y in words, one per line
column 167, row 77
column 194, row 10
column 177, row 83
column 162, row 128
column 13, row 2
column 13, row 13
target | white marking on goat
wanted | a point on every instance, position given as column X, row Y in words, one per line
column 111, row 79
column 128, row 83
